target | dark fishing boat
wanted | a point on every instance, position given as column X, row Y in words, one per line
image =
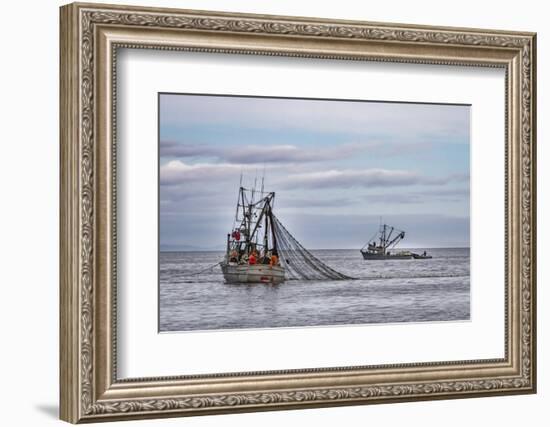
column 381, row 245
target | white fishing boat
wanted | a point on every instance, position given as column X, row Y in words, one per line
column 261, row 250
column 251, row 255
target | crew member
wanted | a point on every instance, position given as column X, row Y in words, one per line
column 274, row 260
column 252, row 258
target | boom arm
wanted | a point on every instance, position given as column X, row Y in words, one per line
column 396, row 239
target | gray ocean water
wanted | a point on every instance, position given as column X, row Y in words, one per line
column 387, row 291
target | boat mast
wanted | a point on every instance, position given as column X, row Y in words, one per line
column 266, row 231
column 273, row 236
column 383, row 238
column 247, row 219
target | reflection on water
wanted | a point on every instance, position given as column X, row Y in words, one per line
column 388, row 291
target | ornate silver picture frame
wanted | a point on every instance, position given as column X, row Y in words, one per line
column 91, row 36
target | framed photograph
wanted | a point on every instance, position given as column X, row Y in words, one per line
column 266, row 212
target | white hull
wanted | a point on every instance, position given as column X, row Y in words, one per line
column 257, row 273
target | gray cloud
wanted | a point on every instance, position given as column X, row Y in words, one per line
column 289, row 153
column 177, row 172
column 183, row 192
column 370, row 178
column 170, row 148
column 452, row 195
column 453, row 192
column 292, row 203
column 259, row 154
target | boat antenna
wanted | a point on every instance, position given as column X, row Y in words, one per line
column 263, row 178
column 238, row 199
column 254, row 187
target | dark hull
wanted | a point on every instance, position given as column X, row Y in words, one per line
column 374, row 257
column 422, row 256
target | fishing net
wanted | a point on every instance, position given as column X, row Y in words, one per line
column 299, row 263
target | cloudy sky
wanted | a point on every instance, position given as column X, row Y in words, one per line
column 336, row 167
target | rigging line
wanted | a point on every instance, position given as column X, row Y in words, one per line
column 371, row 239
column 419, row 276
column 202, row 271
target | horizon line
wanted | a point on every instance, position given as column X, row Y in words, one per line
column 324, row 249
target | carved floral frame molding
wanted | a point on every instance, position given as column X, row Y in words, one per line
column 90, row 37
